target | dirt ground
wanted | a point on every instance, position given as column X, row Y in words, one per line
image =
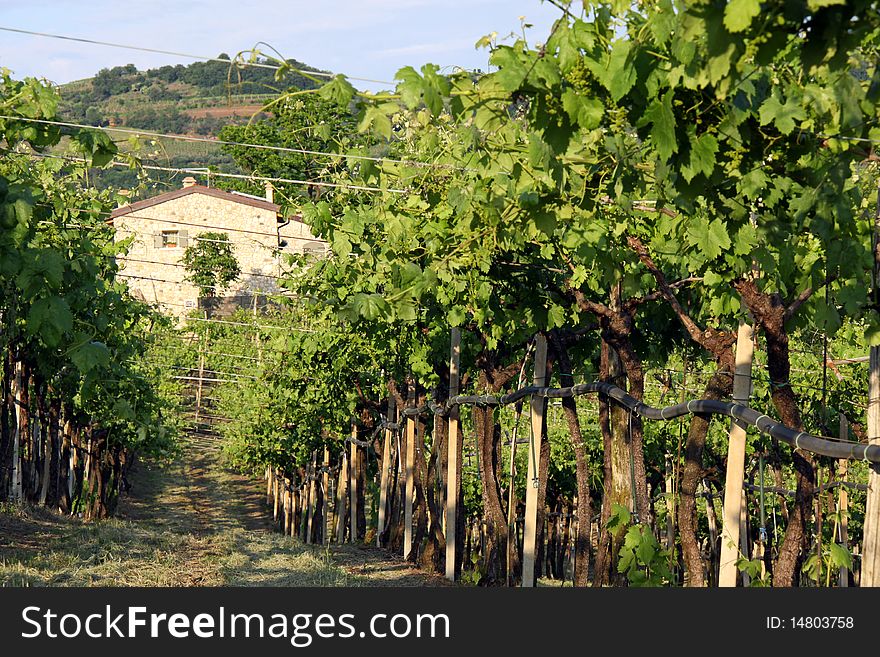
column 191, row 523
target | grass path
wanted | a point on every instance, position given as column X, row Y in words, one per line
column 192, row 523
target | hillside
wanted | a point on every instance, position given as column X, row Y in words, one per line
column 198, row 99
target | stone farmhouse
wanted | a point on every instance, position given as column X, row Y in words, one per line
column 164, row 225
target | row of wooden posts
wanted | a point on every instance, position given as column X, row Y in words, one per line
column 294, row 508
column 312, row 506
column 305, row 510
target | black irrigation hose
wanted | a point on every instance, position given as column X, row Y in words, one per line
column 819, row 489
column 764, row 423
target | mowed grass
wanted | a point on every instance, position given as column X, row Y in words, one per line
column 192, row 523
column 137, row 553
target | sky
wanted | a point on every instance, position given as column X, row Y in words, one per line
column 361, row 38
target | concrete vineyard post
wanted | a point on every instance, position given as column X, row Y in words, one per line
column 453, row 476
column 386, row 473
column 736, row 454
column 537, row 423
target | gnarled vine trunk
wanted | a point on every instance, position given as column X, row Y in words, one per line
column 582, row 471
column 720, row 386
column 771, row 314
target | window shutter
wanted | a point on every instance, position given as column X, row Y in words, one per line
column 182, row 239
column 157, row 240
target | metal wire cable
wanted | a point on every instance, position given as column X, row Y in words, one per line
column 223, row 142
column 236, row 62
column 235, row 176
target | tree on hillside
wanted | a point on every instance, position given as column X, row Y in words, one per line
column 303, row 122
column 210, row 263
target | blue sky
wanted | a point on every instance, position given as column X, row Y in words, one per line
column 364, row 38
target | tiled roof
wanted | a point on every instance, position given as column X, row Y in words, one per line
column 195, row 189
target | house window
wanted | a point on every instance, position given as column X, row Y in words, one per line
column 170, row 239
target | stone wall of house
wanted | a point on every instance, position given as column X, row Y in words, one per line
column 155, row 272
column 299, row 239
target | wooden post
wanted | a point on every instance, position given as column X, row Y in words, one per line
column 713, row 525
column 341, row 498
column 295, row 504
column 275, row 492
column 843, row 502
column 268, row 485
column 870, row 571
column 353, row 469
column 201, row 379
column 670, row 506
column 744, row 535
column 325, row 496
column 736, row 454
column 385, row 476
column 306, row 503
column 286, row 510
column 530, row 531
column 870, row 574
column 313, row 497
column 410, row 477
column 17, row 384
column 511, row 502
column 71, row 473
column 291, row 496
column 453, row 475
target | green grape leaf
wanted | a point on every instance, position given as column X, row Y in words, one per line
column 338, row 90
column 376, row 121
column 621, row 74
column 782, row 116
column 583, row 111
column 370, row 306
column 738, row 14
column 840, row 556
column 96, row 146
column 659, row 115
column 50, row 317
column 710, row 237
column 89, row 356
column 410, row 87
column 702, row 157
